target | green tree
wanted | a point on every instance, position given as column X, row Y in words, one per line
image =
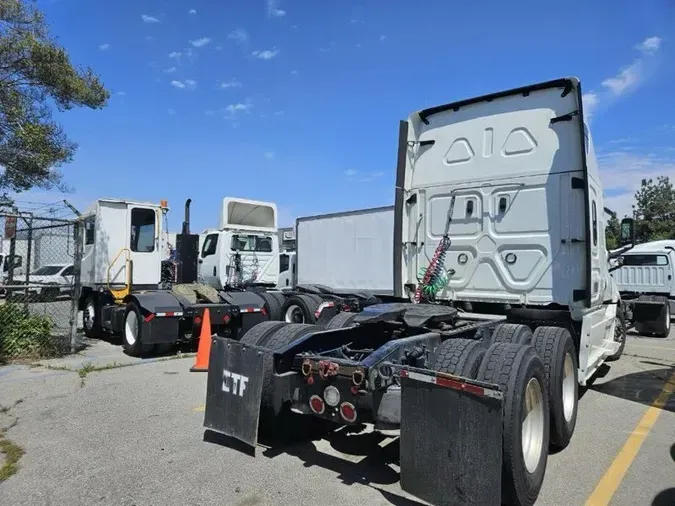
column 612, row 230
column 36, row 74
column 655, row 210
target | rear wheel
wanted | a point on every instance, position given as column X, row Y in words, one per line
column 90, row 319
column 461, row 357
column 520, row 373
column 664, row 330
column 301, row 308
column 50, row 294
column 558, row 354
column 132, row 332
column 514, row 333
column 341, row 320
column 272, row 304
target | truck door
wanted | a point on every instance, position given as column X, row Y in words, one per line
column 208, row 261
column 144, row 248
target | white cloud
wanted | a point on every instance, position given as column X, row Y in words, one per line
column 362, row 177
column 238, row 107
column 266, row 54
column 240, row 36
column 626, row 80
column 121, row 93
column 103, row 47
column 175, row 54
column 649, row 45
column 294, row 72
column 270, row 155
column 149, row 19
column 219, row 48
column 623, row 170
column 189, row 84
column 590, row 102
column 192, row 11
column 170, row 70
column 279, row 113
column 273, row 10
column 200, row 42
column 232, row 83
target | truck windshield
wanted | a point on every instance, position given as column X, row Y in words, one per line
column 645, row 260
column 47, row 270
column 258, row 243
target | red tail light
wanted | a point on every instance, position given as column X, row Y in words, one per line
column 197, row 320
column 227, row 318
column 348, row 412
column 317, row 405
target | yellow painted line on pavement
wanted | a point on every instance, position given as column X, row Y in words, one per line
column 199, row 409
column 610, row 482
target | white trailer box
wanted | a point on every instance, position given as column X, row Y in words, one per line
column 350, row 251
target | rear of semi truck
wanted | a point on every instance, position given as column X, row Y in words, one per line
column 497, row 201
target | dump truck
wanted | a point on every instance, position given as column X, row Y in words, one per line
column 497, row 203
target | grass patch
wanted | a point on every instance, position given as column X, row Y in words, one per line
column 13, row 454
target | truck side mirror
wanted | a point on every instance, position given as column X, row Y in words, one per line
column 627, row 233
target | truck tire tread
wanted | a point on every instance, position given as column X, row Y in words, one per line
column 307, row 303
column 259, row 332
column 461, row 357
column 341, row 320
column 512, row 366
column 514, row 333
column 552, row 345
column 273, row 306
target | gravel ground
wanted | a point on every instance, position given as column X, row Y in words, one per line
column 134, row 436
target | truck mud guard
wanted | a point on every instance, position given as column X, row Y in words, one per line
column 650, row 315
column 451, row 438
column 234, row 389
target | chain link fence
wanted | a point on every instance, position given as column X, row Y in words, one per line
column 38, row 306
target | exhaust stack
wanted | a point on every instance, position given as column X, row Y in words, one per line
column 186, row 223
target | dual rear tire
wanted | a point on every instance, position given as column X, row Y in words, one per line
column 537, row 372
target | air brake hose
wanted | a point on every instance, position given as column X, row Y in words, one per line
column 435, row 278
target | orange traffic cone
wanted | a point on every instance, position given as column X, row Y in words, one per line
column 204, row 347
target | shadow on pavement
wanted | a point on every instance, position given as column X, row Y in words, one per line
column 643, row 387
column 667, row 496
column 371, row 469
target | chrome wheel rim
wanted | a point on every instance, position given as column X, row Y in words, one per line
column 568, row 388
column 131, row 328
column 294, row 315
column 532, row 429
column 89, row 315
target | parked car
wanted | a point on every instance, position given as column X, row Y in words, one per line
column 48, row 282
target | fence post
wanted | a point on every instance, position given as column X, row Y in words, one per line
column 29, row 262
column 77, row 287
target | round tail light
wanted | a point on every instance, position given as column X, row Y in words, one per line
column 197, row 320
column 348, row 412
column 317, row 405
column 332, row 396
column 227, row 318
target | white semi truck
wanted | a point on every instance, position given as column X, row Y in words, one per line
column 498, row 201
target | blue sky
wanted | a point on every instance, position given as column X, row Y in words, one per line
column 298, row 102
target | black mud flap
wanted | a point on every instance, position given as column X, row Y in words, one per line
column 234, row 389
column 451, row 439
column 648, row 315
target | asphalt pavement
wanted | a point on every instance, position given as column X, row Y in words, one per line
column 133, row 435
